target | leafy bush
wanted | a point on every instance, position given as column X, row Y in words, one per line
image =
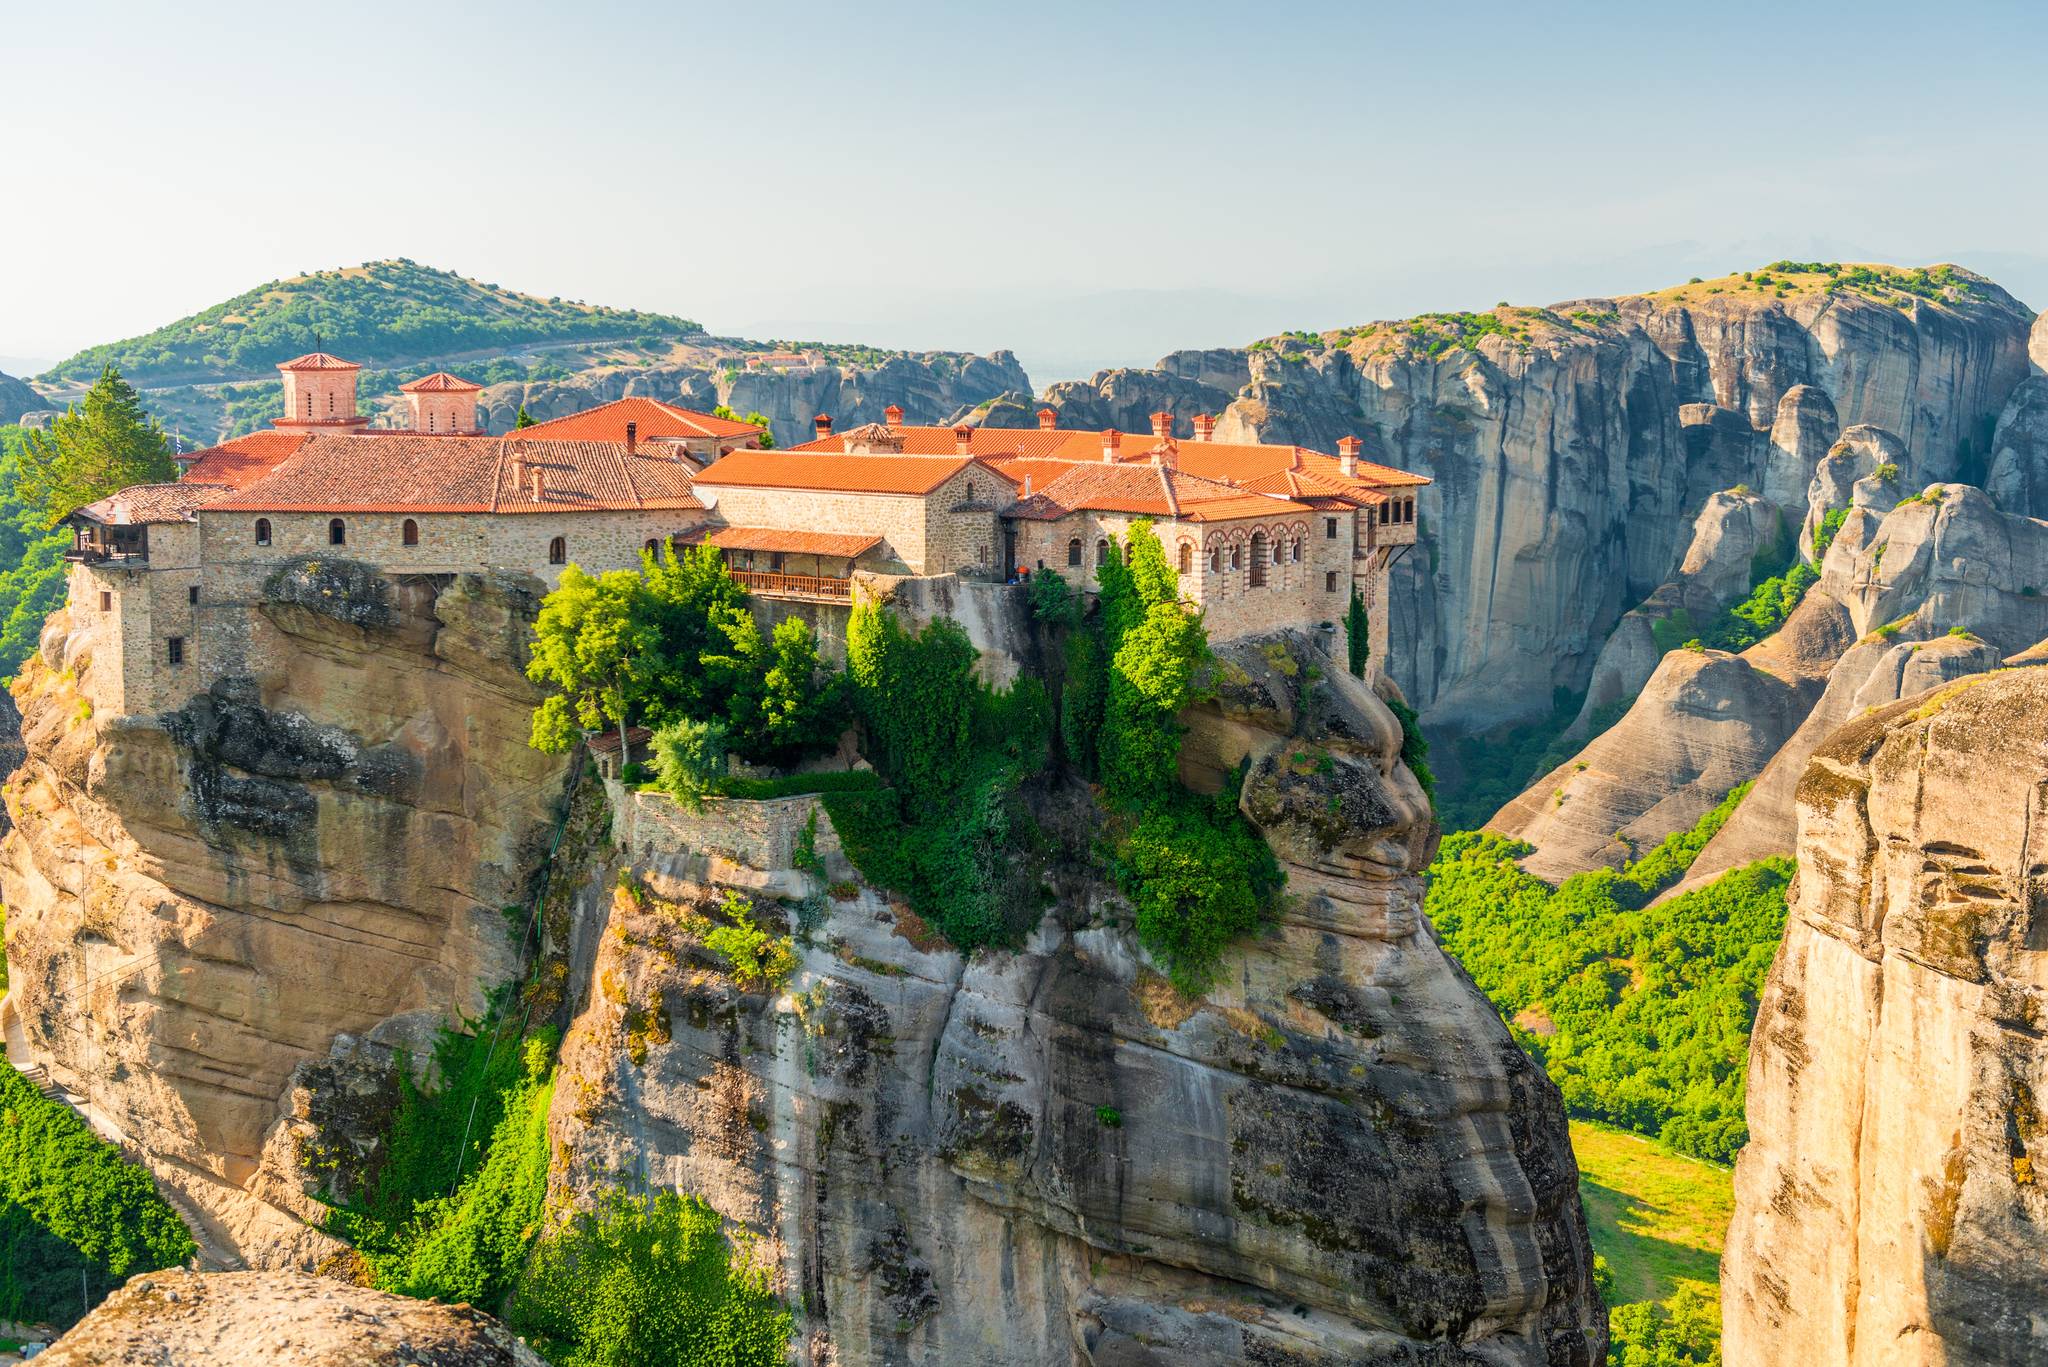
column 794, row 785
column 1414, row 746
column 1197, row 877
column 1683, row 1331
column 74, row 1214
column 1824, row 534
column 756, row 957
column 647, row 1281
column 689, row 759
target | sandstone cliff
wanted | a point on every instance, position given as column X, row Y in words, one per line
column 308, row 859
column 16, row 399
column 1573, row 447
column 1048, row 1156
column 1890, row 1207
column 268, row 1319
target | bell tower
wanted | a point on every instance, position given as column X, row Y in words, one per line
column 320, row 394
column 442, row 404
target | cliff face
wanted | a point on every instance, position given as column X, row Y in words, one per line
column 1573, row 447
column 1891, row 1205
column 307, row 860
column 1337, row 1155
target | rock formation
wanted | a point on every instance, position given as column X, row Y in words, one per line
column 305, row 861
column 280, row 1319
column 1891, row 1204
column 1573, row 447
column 16, row 399
column 1337, row 1155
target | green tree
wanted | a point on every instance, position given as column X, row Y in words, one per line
column 687, row 592
column 781, row 698
column 522, row 419
column 760, row 420
column 689, row 759
column 1357, row 634
column 100, row 446
column 591, row 636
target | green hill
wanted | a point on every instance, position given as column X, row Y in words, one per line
column 381, row 313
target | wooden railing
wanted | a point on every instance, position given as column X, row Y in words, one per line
column 777, row 585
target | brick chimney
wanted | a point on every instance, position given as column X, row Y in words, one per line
column 823, row 422
column 540, row 485
column 1111, row 439
column 963, row 436
column 632, row 437
column 1347, row 456
column 893, row 415
column 1162, row 423
column 1205, row 427
column 1048, row 419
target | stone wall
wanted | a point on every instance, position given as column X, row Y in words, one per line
column 654, row 831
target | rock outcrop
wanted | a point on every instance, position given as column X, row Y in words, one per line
column 1891, row 1205
column 16, row 399
column 306, row 861
column 280, row 1319
column 1049, row 1156
column 1573, row 447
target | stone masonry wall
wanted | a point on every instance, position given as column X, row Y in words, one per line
column 899, row 519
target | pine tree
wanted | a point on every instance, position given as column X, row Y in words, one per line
column 525, row 419
column 99, row 447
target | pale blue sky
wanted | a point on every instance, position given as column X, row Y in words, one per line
column 1088, row 183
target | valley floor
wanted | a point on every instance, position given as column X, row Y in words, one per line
column 1657, row 1216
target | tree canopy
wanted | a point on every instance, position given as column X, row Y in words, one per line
column 102, row 445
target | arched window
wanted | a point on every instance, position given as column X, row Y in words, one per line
column 1236, row 558
column 1386, row 514
column 1215, row 559
column 1408, row 511
column 1074, row 551
column 1187, row 556
column 337, row 533
column 263, row 531
column 558, row 551
column 410, row 532
column 970, row 491
column 1297, row 550
column 1258, row 579
column 1101, row 552
column 433, row 420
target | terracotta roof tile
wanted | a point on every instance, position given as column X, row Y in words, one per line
column 317, row 360
column 153, row 503
column 440, row 382
column 994, row 443
column 793, row 543
column 866, row 474
column 407, row 472
column 1148, row 490
column 607, row 422
column 242, row 460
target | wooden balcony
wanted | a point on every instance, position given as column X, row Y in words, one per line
column 810, row 588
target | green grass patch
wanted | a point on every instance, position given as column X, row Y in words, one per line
column 1656, row 1215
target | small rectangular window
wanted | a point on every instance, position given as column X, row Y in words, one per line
column 175, row 648
column 1329, row 581
column 192, row 595
column 106, row 601
column 1330, row 528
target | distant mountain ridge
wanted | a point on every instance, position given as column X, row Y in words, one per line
column 378, row 313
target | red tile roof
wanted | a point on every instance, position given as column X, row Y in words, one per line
column 153, row 503
column 879, row 474
column 440, row 382
column 1148, row 490
column 407, row 472
column 792, row 543
column 994, row 443
column 317, row 360
column 607, row 422
column 243, row 460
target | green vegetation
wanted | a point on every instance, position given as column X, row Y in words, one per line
column 1495, row 766
column 947, row 830
column 689, row 760
column 1657, row 1219
column 31, row 562
column 757, row 418
column 522, row 419
column 756, row 956
column 757, row 789
column 1357, row 634
column 76, row 1218
column 1824, row 535
column 383, row 311
column 101, row 445
column 674, row 643
column 1641, row 1014
column 1772, row 597
column 650, row 1282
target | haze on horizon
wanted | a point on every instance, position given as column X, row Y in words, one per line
column 1087, row 185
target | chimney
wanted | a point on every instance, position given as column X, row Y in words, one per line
column 518, row 471
column 1205, row 427
column 1162, row 423
column 632, row 437
column 1048, row 419
column 540, row 485
column 1347, row 456
column 963, row 435
column 824, row 425
column 1111, row 439
column 893, row 415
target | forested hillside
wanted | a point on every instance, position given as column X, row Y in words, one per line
column 31, row 562
column 377, row 313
